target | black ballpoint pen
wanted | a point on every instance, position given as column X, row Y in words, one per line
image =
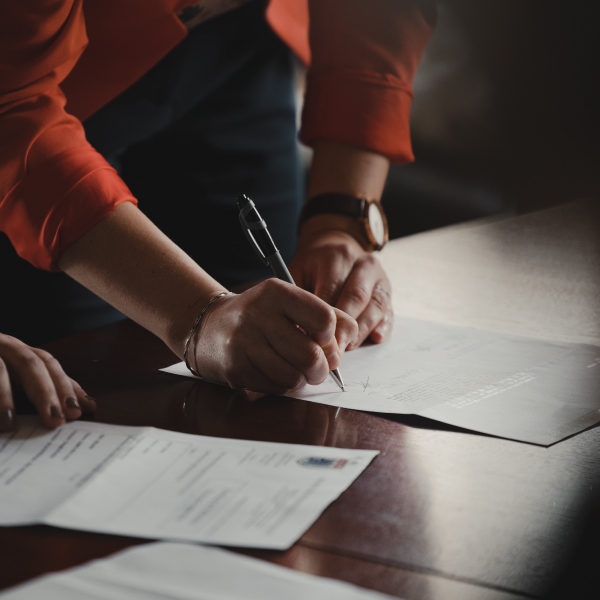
column 260, row 239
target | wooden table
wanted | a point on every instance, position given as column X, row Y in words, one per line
column 441, row 513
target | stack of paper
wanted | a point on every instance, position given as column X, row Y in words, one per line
column 185, row 572
column 152, row 483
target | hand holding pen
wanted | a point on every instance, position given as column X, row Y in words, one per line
column 251, row 341
column 273, row 338
column 258, row 235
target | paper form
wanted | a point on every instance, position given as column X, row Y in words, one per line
column 40, row 469
column 168, row 571
column 148, row 482
column 509, row 386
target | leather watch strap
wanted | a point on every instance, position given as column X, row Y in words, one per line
column 333, row 203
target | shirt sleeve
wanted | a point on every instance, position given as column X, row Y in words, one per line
column 364, row 56
column 53, row 185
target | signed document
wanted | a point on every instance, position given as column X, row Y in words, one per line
column 172, row 571
column 152, row 483
column 504, row 385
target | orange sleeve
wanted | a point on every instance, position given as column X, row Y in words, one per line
column 364, row 56
column 53, row 185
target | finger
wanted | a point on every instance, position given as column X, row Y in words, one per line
column 300, row 351
column 371, row 317
column 284, row 376
column 346, row 330
column 31, row 372
column 87, row 403
column 7, row 407
column 334, row 355
column 358, row 289
column 383, row 330
column 302, row 308
column 331, row 276
column 247, row 376
column 62, row 384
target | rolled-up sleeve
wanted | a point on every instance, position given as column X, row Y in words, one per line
column 53, row 185
column 364, row 56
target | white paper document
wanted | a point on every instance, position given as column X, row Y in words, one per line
column 153, row 483
column 509, row 386
column 169, row 571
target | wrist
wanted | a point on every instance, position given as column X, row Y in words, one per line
column 364, row 218
column 196, row 329
column 181, row 324
column 321, row 225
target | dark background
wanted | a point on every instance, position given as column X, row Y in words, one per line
column 505, row 114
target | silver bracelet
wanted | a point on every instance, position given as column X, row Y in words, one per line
column 195, row 326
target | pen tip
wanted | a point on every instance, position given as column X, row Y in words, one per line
column 338, row 379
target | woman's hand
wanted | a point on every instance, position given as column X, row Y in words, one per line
column 56, row 396
column 256, row 340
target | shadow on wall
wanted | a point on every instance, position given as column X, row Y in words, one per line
column 504, row 115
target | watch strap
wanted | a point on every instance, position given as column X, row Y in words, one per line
column 333, row 203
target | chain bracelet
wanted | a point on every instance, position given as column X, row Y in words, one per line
column 195, row 326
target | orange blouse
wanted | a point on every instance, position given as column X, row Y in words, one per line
column 62, row 60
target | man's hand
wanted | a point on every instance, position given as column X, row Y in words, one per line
column 330, row 261
column 333, row 265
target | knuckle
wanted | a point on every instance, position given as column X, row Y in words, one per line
column 328, row 318
column 48, row 359
column 370, row 262
column 273, row 285
column 380, row 301
column 28, row 360
column 329, row 291
column 44, row 355
column 359, row 295
column 346, row 251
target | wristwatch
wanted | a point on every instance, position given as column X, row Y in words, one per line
column 368, row 212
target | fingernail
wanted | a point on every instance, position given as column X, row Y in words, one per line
column 56, row 413
column 72, row 402
column 7, row 419
column 88, row 404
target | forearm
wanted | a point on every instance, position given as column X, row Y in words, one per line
column 348, row 170
column 126, row 260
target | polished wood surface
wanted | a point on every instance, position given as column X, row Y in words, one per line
column 441, row 513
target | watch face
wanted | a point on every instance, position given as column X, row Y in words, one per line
column 376, row 224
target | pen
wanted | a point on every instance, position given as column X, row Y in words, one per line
column 260, row 239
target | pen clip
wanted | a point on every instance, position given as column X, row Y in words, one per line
column 246, row 227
